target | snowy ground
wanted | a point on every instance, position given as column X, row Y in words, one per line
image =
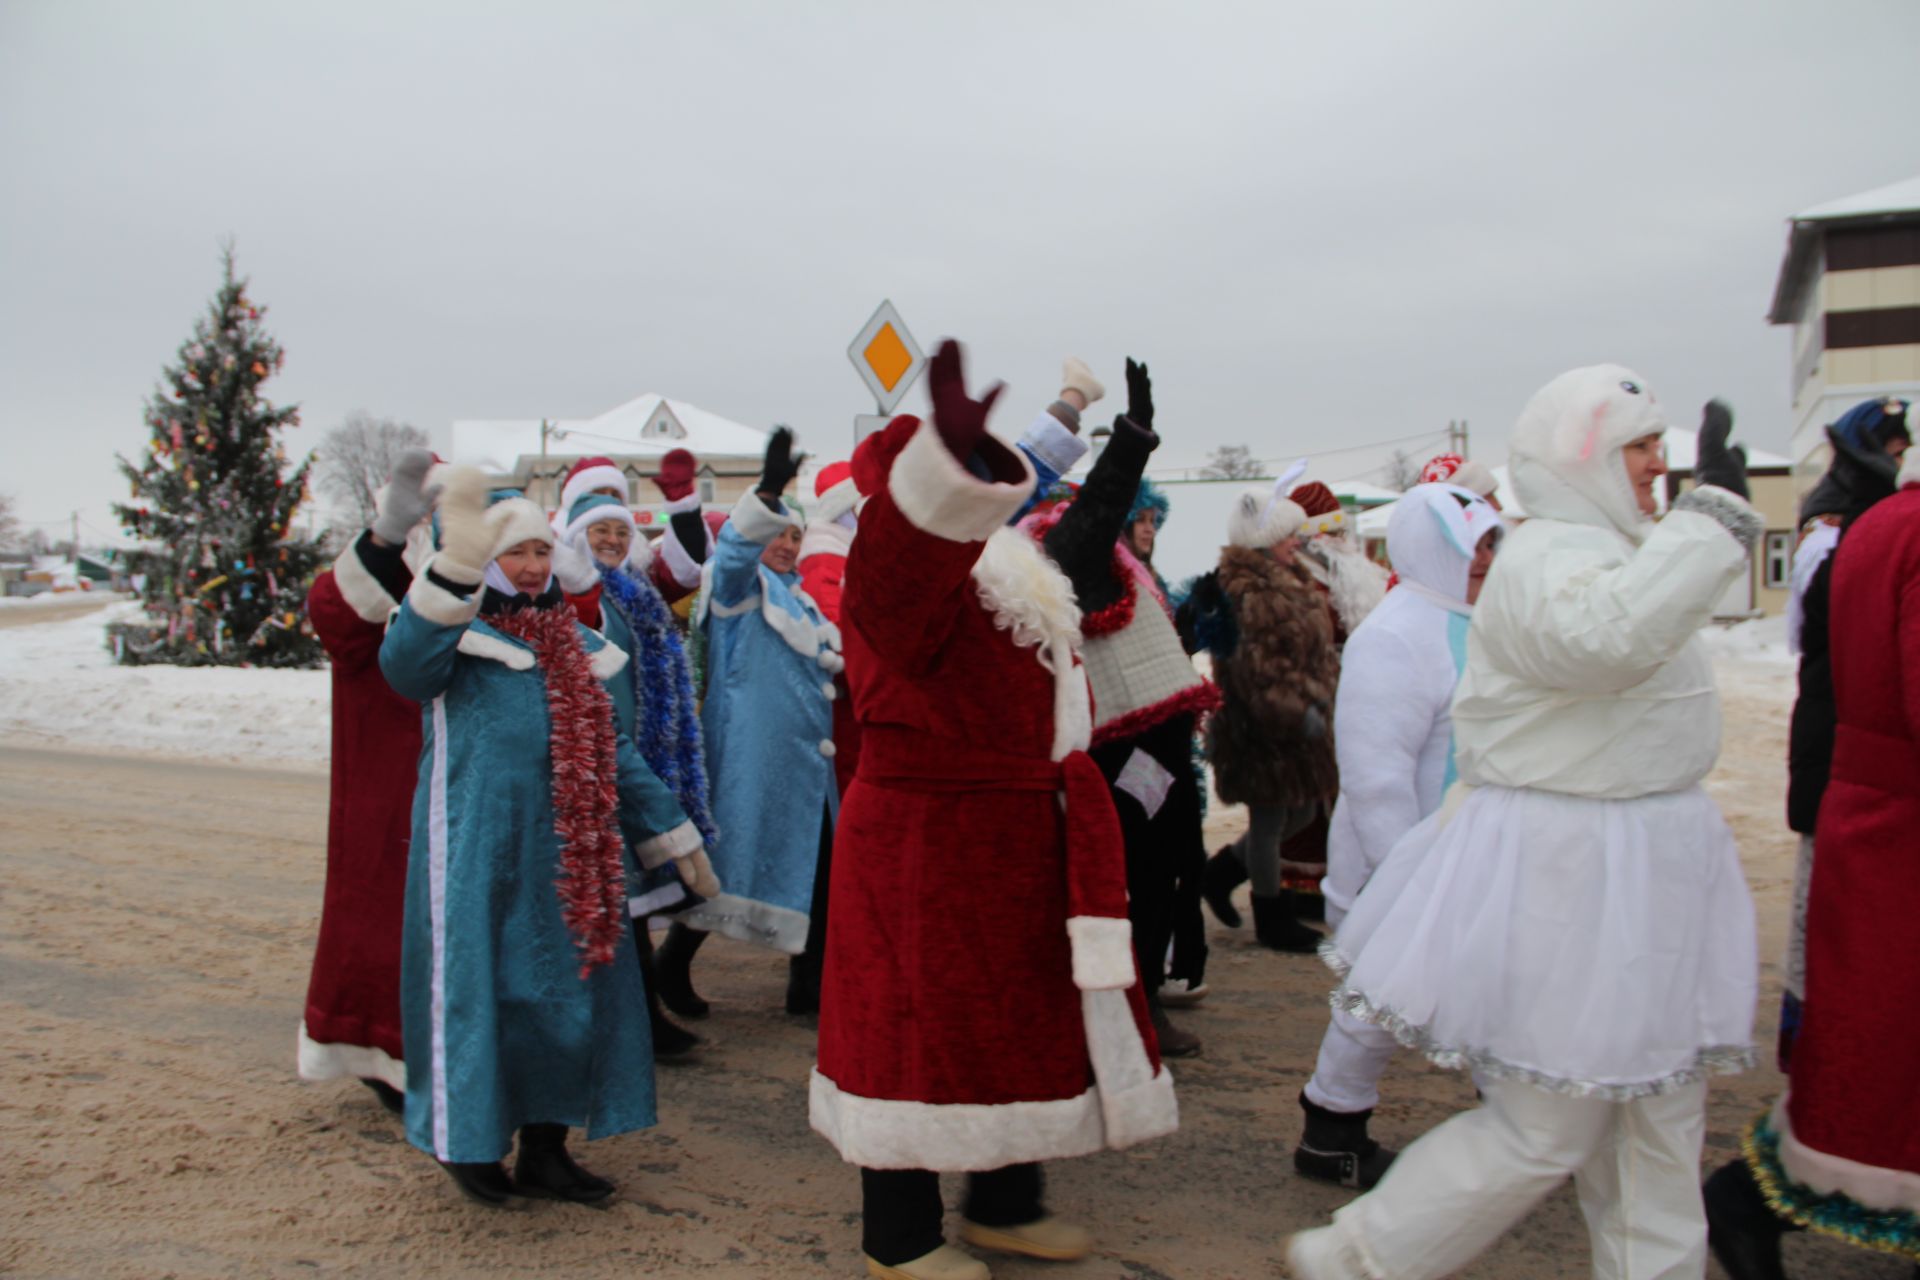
column 59, row 687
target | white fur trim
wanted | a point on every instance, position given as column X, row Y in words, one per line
column 437, row 604
column 1102, row 952
column 589, row 480
column 755, row 521
column 608, row 661
column 593, row 516
column 680, row 562
column 1257, row 520
column 514, row 521
column 749, row 921
column 886, row 1133
column 359, row 588
column 808, row 634
column 834, row 503
column 1049, row 440
column 675, row 842
column 939, row 496
column 340, row 1061
column 640, row 555
column 478, row 644
column 1894, row 1190
column 1909, row 469
column 1032, row 600
column 437, row 852
column 824, row 538
column 1355, row 585
column 1136, row 1101
column 665, row 898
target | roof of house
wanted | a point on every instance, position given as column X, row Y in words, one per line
column 497, row 445
column 1896, row 202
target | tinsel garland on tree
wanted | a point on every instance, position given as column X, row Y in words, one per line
column 225, row 578
column 584, row 754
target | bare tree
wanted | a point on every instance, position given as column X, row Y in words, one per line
column 1232, row 462
column 355, row 460
column 1401, row 472
column 9, row 524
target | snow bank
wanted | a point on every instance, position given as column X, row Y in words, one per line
column 1758, row 644
column 59, row 686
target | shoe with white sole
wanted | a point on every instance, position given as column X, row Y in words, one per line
column 1177, row 993
column 1047, row 1237
column 944, row 1263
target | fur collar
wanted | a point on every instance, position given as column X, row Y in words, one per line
column 606, row 661
column 1031, row 600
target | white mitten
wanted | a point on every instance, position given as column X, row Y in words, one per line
column 696, row 872
column 466, row 539
column 1075, row 376
column 574, row 568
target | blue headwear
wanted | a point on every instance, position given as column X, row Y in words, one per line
column 1870, row 424
column 1149, row 498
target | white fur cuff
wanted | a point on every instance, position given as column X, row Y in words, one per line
column 360, row 589
column 756, row 521
column 437, row 604
column 1102, row 952
column 676, row 842
column 1053, row 444
column 940, row 497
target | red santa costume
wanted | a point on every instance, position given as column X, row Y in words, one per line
column 981, row 1007
column 352, row 1022
column 831, row 524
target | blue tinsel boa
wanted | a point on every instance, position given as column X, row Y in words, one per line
column 668, row 731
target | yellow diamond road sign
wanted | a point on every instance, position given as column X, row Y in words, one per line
column 887, row 357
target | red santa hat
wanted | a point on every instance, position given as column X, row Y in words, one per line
column 1451, row 468
column 837, row 492
column 1320, row 507
column 588, row 475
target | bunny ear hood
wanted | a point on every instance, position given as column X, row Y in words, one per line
column 1432, row 535
column 1565, row 454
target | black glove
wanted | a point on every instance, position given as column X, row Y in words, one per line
column 779, row 468
column 1714, row 463
column 1139, row 395
column 690, row 529
column 1313, row 725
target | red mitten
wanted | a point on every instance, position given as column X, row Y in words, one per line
column 959, row 418
column 677, row 470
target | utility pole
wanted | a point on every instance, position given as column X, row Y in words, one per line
column 73, row 547
column 1457, row 437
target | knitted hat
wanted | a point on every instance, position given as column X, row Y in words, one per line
column 515, row 520
column 1322, row 509
column 1149, row 498
column 590, row 509
column 590, row 474
column 1260, row 518
column 675, row 477
column 837, row 492
column 1873, row 424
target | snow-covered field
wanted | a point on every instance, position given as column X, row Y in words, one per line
column 59, row 687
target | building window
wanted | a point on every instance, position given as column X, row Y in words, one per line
column 1778, row 569
column 706, row 488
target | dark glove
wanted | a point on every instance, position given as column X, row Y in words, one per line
column 408, row 500
column 1139, row 395
column 959, row 418
column 1313, row 725
column 1714, row 463
column 779, row 468
column 690, row 530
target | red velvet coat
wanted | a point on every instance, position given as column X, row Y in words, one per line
column 1853, row 1102
column 352, row 1021
column 823, row 570
column 980, row 1005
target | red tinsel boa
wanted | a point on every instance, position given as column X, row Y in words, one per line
column 586, row 796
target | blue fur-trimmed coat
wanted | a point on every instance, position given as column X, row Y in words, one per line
column 768, row 725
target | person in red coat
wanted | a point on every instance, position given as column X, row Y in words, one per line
column 831, row 525
column 981, row 1009
column 1840, row 1152
column 352, row 1022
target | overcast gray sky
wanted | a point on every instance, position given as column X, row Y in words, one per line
column 1321, row 225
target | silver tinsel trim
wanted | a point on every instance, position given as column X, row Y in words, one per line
column 1726, row 1059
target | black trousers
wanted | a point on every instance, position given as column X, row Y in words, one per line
column 1165, row 853
column 901, row 1209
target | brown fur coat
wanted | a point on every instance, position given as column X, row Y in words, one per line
column 1283, row 664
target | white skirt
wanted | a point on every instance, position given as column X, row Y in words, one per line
column 1600, row 948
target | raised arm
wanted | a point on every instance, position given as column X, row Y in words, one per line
column 1082, row 542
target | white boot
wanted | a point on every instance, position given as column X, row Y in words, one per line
column 1321, row 1254
column 944, row 1263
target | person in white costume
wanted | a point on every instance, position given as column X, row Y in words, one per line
column 1393, row 736
column 1577, row 930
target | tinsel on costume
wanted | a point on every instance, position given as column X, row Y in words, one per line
column 669, row 728
column 586, row 771
column 1888, row 1230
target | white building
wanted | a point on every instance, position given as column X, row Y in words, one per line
column 1849, row 285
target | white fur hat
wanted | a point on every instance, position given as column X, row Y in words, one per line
column 1909, row 469
column 514, row 521
column 1261, row 517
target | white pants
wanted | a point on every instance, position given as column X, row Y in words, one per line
column 1353, row 1055
column 1453, row 1192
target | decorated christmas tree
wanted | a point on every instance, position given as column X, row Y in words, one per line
column 225, row 579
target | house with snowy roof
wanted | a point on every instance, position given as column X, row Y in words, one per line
column 1849, row 284
column 534, row 454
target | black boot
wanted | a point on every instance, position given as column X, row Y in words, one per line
column 1742, row 1229
column 1335, row 1148
column 1225, row 872
column 1274, row 926
column 485, row 1184
column 803, row 984
column 670, row 1039
column 673, row 966
column 544, row 1168
column 1174, row 1043
column 390, row 1098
